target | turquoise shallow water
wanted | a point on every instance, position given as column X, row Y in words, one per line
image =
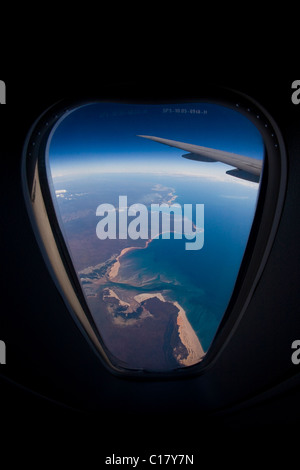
column 202, row 280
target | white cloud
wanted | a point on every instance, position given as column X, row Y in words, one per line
column 60, row 191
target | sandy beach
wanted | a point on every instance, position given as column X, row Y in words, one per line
column 112, row 293
column 141, row 297
column 189, row 338
column 113, row 272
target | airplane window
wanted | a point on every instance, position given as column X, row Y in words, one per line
column 152, row 207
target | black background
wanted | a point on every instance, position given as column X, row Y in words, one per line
column 54, row 406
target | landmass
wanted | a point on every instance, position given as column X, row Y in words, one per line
column 143, row 329
column 142, row 325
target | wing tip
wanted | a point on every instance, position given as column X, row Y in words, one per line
column 145, row 136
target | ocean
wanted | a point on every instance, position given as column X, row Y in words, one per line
column 202, row 281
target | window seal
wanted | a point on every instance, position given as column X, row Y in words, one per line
column 264, row 227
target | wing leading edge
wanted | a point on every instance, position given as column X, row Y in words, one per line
column 244, row 167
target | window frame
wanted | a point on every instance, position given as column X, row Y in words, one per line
column 46, row 227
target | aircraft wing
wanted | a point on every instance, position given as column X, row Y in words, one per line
column 244, row 167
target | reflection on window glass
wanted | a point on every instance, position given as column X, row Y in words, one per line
column 156, row 239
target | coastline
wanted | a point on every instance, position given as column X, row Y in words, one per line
column 189, row 339
column 187, row 334
column 114, row 270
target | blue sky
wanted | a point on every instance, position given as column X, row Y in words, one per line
column 102, row 137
